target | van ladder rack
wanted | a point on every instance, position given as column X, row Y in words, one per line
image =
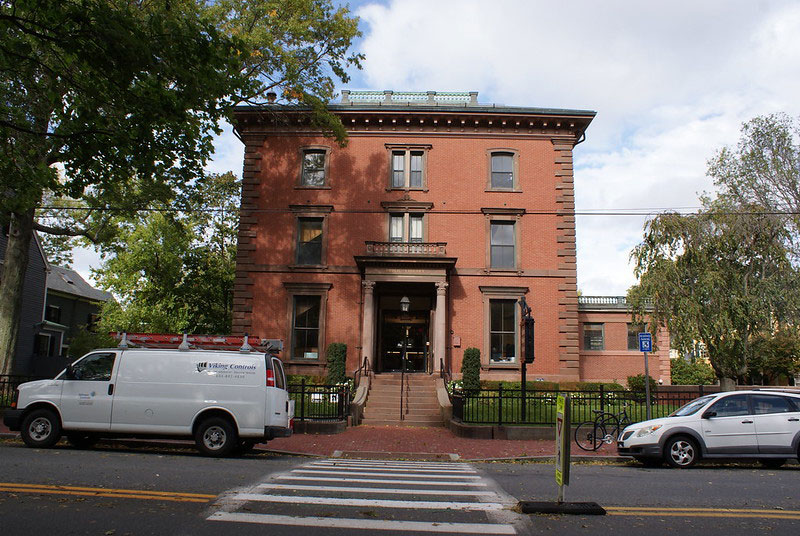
column 199, row 342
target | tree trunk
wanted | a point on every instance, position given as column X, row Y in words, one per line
column 727, row 384
column 12, row 278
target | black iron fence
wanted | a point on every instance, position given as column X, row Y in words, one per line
column 320, row 402
column 504, row 406
column 8, row 387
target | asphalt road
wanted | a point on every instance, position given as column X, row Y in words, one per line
column 141, row 491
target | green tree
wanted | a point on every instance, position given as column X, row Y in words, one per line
column 718, row 276
column 173, row 270
column 114, row 104
column 697, row 372
column 764, row 168
column 775, row 354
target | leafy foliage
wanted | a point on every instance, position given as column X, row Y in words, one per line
column 174, row 271
column 697, row 372
column 471, row 369
column 337, row 359
column 113, row 106
column 774, row 355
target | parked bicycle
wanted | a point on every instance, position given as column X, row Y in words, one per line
column 604, row 428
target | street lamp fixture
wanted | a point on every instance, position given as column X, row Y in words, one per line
column 405, row 303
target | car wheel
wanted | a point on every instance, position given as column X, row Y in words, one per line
column 216, row 437
column 681, row 452
column 81, row 441
column 41, row 428
column 773, row 463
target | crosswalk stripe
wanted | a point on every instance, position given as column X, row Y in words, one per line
column 375, row 473
column 368, row 524
column 393, row 491
column 376, row 503
column 378, row 463
column 378, row 481
column 395, row 469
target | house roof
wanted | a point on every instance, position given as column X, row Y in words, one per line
column 70, row 282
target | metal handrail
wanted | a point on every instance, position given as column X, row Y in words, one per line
column 365, row 369
column 447, row 377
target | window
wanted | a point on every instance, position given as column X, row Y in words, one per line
column 502, row 253
column 633, row 335
column 502, row 171
column 766, row 404
column 593, row 337
column 405, row 228
column 305, row 327
column 305, row 320
column 503, row 331
column 52, row 313
column 313, row 174
column 407, row 168
column 731, row 406
column 95, row 367
column 309, row 241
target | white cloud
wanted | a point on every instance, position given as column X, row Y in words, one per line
column 671, row 82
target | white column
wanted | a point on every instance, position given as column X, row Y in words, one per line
column 367, row 325
column 440, row 327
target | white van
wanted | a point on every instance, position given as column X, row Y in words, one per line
column 227, row 401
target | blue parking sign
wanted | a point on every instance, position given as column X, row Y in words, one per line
column 645, row 342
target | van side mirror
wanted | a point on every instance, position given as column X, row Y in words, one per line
column 709, row 414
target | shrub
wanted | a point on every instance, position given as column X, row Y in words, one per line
column 636, row 386
column 337, row 362
column 685, row 373
column 471, row 369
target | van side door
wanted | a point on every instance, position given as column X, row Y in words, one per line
column 277, row 397
column 88, row 392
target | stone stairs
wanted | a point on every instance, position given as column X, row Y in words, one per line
column 420, row 404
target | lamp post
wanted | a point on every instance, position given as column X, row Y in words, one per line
column 405, row 304
column 527, row 323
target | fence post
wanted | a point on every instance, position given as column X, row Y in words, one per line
column 701, row 389
column 602, row 398
column 500, row 406
column 302, row 399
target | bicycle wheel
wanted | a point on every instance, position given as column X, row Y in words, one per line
column 611, row 428
column 589, row 435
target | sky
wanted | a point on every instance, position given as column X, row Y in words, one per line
column 671, row 83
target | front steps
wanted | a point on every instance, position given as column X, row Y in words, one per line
column 420, row 404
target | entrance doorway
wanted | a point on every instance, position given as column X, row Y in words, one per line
column 404, row 337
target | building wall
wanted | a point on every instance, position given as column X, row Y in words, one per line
column 457, row 174
column 616, row 362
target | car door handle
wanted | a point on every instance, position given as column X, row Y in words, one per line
column 110, row 388
column 747, row 422
column 794, row 419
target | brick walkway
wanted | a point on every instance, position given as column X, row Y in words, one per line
column 395, row 440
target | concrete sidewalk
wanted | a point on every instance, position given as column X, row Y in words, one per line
column 405, row 443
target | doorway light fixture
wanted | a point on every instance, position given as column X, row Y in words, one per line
column 405, row 303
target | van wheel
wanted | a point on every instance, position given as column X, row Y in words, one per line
column 41, row 428
column 215, row 437
column 681, row 452
column 81, row 441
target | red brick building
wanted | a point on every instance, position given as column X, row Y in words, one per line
column 457, row 208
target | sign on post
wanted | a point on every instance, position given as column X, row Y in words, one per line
column 645, row 342
column 645, row 346
column 563, row 444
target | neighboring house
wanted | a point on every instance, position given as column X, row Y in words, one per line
column 609, row 346
column 33, row 299
column 459, row 207
column 72, row 304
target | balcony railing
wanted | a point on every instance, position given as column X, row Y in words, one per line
column 397, row 249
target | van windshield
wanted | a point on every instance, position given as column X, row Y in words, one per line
column 692, row 407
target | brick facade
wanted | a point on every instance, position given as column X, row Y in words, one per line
column 448, row 277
